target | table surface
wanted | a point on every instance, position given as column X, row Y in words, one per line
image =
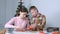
column 27, row 32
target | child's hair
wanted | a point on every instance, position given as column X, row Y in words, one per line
column 33, row 7
column 21, row 9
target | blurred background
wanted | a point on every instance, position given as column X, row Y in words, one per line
column 50, row 8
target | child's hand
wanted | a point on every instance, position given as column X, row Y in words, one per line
column 17, row 28
column 29, row 28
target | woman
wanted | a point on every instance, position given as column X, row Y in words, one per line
column 38, row 20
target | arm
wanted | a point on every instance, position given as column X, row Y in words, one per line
column 28, row 23
column 10, row 23
column 43, row 21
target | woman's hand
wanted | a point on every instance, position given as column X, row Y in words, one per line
column 37, row 21
column 41, row 27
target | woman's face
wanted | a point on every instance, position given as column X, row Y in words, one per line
column 23, row 14
column 33, row 12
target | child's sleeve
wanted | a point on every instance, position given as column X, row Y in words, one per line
column 10, row 23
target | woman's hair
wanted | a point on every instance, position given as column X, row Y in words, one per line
column 33, row 7
column 20, row 9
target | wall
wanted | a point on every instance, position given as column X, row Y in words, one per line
column 7, row 11
column 2, row 13
column 50, row 8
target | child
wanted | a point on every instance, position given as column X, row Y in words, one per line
column 20, row 22
column 38, row 20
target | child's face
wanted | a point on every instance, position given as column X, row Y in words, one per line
column 33, row 12
column 23, row 14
